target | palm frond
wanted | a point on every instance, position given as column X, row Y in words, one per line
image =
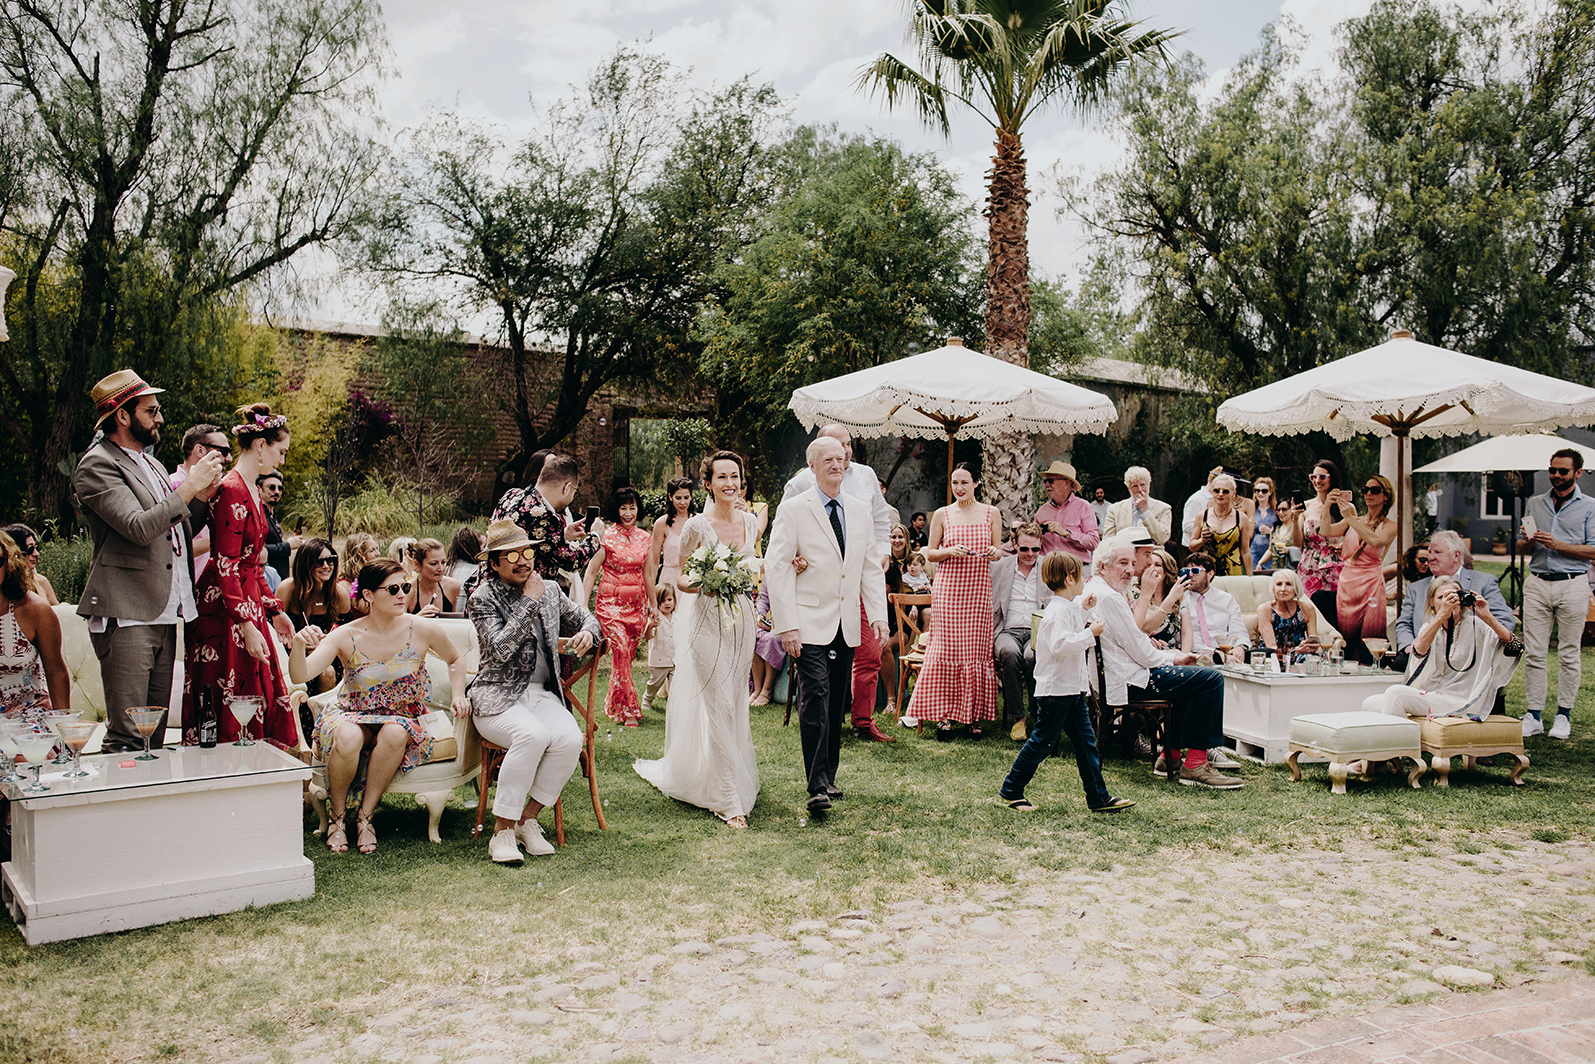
column 897, row 82
column 1080, row 58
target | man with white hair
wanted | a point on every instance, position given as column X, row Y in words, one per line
column 1140, row 508
column 1130, row 660
column 860, row 482
column 1446, row 553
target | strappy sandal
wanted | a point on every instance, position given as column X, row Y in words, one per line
column 338, row 836
column 737, row 822
column 366, row 834
column 1020, row 805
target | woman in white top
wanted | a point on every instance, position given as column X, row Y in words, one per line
column 1458, row 660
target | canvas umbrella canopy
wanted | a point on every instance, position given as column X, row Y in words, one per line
column 1404, row 388
column 953, row 392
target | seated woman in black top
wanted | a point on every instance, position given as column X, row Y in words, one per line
column 314, row 597
column 435, row 591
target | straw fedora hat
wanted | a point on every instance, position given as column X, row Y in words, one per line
column 1061, row 469
column 111, row 392
column 502, row 535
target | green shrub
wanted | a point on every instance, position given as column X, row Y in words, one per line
column 385, row 510
column 65, row 563
column 654, row 502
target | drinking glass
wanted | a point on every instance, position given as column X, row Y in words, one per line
column 1378, row 648
column 51, row 719
column 35, row 744
column 8, row 752
column 244, row 708
column 145, row 720
column 75, row 734
column 1225, row 645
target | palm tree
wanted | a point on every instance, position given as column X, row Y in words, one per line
column 1004, row 60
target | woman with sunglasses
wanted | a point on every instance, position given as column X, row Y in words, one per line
column 314, row 597
column 27, row 541
column 1316, row 527
column 1223, row 531
column 385, row 685
column 33, row 676
column 1264, row 520
column 1360, row 600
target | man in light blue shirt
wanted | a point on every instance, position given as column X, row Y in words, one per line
column 1557, row 591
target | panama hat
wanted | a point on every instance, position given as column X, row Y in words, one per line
column 1062, row 469
column 504, row 535
column 111, row 392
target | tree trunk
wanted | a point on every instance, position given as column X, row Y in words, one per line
column 1007, row 457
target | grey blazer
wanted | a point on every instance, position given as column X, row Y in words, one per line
column 1003, row 571
column 131, row 576
column 513, row 632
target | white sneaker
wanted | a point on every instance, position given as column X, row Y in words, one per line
column 1532, row 725
column 502, row 847
column 908, row 722
column 1563, row 728
column 530, row 832
column 1219, row 758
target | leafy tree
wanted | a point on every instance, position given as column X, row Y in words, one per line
column 1005, row 59
column 866, row 251
column 164, row 154
column 599, row 231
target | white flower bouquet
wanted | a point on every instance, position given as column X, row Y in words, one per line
column 729, row 576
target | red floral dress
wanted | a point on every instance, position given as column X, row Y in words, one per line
column 231, row 590
column 958, row 681
column 622, row 609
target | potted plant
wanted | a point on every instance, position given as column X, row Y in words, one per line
column 1499, row 544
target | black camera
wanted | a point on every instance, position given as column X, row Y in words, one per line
column 1466, row 598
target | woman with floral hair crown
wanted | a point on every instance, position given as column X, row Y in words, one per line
column 230, row 646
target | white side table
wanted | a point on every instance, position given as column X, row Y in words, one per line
column 193, row 833
column 1258, row 706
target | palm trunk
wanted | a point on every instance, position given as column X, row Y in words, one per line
column 1007, row 458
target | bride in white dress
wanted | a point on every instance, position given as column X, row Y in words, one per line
column 708, row 759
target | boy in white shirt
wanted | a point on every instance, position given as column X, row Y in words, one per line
column 1062, row 639
column 662, row 648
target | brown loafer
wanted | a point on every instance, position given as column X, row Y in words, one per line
column 872, row 734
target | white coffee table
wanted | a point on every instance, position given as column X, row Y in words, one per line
column 1258, row 706
column 193, row 833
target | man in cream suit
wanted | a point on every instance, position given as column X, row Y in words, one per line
column 1140, row 508
column 815, row 605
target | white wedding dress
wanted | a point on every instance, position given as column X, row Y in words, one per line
column 708, row 759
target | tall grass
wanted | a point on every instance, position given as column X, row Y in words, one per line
column 381, row 508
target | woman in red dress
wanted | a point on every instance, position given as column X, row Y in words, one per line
column 624, row 605
column 958, row 682
column 230, row 647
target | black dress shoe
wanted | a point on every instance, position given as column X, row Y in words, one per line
column 834, row 794
column 819, row 803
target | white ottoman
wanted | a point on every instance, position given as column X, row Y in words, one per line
column 1341, row 738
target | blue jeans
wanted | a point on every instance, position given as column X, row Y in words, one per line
column 1198, row 697
column 1068, row 714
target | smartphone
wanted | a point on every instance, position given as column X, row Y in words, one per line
column 592, row 515
column 1185, row 573
column 1296, row 499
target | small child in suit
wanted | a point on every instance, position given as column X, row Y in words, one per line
column 662, row 648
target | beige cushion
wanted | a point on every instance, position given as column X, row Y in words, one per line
column 1253, row 591
column 1454, row 733
column 1353, row 734
column 88, row 693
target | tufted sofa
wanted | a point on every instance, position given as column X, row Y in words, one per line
column 1253, row 591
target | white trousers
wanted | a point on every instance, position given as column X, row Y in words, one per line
column 1398, row 700
column 1564, row 603
column 543, row 745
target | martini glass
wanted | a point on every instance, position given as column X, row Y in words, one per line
column 1378, row 648
column 145, row 720
column 75, row 733
column 35, row 745
column 244, row 708
column 8, row 753
column 51, row 719
column 1225, row 645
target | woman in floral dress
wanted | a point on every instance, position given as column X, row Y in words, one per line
column 1317, row 528
column 33, row 676
column 958, row 682
column 374, row 730
column 624, row 605
column 230, row 646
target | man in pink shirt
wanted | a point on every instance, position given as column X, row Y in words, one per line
column 1069, row 521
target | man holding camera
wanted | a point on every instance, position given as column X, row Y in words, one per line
column 1556, row 591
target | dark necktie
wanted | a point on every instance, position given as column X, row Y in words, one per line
column 836, row 526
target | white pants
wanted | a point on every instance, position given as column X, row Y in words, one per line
column 1564, row 603
column 1398, row 700
column 543, row 745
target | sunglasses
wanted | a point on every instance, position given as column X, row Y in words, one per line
column 1221, row 491
column 397, row 589
column 31, row 548
column 517, row 556
column 1555, row 472
column 1029, row 550
column 1258, row 489
column 326, row 559
column 1373, row 489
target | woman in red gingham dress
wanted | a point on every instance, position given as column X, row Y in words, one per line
column 958, row 682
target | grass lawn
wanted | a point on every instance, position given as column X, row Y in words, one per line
column 920, row 819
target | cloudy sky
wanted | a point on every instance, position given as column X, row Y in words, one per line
column 500, row 60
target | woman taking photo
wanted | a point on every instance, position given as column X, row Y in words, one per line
column 1360, row 597
column 1288, row 623
column 1458, row 661
column 435, row 591
column 230, row 645
column 516, row 699
column 1159, row 606
column 958, row 681
column 1223, row 532
column 33, row 676
column 27, row 540
column 624, row 606
column 1264, row 520
column 709, row 760
column 664, row 553
column 1317, row 528
column 379, row 712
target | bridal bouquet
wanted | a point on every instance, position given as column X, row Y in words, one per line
column 716, row 567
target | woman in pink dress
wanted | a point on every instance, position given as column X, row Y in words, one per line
column 664, row 554
column 958, row 682
column 624, row 605
column 230, row 646
column 1360, row 599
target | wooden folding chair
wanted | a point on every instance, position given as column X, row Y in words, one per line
column 493, row 754
column 906, row 609
column 1153, row 716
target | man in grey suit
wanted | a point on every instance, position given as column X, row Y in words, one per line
column 142, row 578
column 1016, row 592
column 1445, row 559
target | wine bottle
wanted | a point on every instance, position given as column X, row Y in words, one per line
column 209, row 724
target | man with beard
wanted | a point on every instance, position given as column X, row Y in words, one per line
column 142, row 578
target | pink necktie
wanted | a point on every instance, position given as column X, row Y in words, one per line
column 1201, row 620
